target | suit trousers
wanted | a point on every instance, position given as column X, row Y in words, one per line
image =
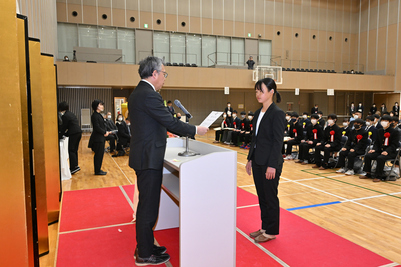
column 112, row 140
column 269, row 204
column 218, row 134
column 350, row 156
column 327, row 151
column 73, row 144
column 234, row 138
column 304, row 151
column 291, row 143
column 149, row 186
column 98, row 148
column 380, row 160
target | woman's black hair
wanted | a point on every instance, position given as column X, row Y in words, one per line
column 270, row 84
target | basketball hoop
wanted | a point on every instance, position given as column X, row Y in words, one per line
column 273, row 72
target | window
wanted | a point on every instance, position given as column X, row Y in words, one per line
column 107, row 37
column 67, row 37
column 237, row 51
column 177, row 47
column 194, row 49
column 265, row 52
column 126, row 42
column 161, row 45
column 223, row 51
column 208, row 50
column 87, row 36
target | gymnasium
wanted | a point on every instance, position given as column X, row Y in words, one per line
column 328, row 54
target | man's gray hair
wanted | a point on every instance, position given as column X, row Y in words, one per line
column 148, row 65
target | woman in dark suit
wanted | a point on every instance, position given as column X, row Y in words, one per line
column 97, row 139
column 265, row 160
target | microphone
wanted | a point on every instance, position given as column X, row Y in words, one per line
column 178, row 104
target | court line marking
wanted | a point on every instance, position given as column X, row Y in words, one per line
column 315, row 205
column 393, row 264
column 95, row 228
column 248, row 206
column 127, row 197
column 241, row 186
column 282, row 263
column 344, row 199
column 120, row 168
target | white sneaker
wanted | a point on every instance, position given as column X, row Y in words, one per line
column 362, row 173
column 350, row 172
column 289, row 157
column 342, row 170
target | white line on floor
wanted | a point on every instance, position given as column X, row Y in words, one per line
column 393, row 264
column 120, row 169
column 95, row 228
column 347, row 200
column 249, row 206
column 241, row 186
column 263, row 249
column 127, row 197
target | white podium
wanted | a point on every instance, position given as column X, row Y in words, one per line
column 199, row 196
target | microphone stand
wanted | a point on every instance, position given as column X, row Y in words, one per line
column 187, row 153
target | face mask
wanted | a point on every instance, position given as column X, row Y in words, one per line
column 250, row 117
column 320, row 116
column 109, row 116
column 360, row 104
column 242, row 116
column 357, row 126
column 384, row 123
column 228, row 105
column 287, row 118
column 374, row 105
column 345, row 124
column 368, row 123
column 224, row 116
column 293, row 120
column 179, row 118
column 356, row 117
column 128, row 124
column 314, row 121
column 234, row 115
column 62, row 113
column 305, row 117
column 120, row 119
column 396, row 104
column 330, row 122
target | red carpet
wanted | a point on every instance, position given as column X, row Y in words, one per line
column 300, row 243
column 83, row 209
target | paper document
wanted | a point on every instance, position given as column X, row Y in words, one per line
column 212, row 117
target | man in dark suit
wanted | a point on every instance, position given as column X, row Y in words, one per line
column 111, row 127
column 123, row 135
column 315, row 109
column 321, row 121
column 371, row 129
column 70, row 127
column 147, row 148
column 170, row 107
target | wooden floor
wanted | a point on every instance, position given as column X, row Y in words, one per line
column 368, row 214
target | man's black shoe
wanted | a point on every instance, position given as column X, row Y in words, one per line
column 101, row 173
column 152, row 260
column 157, row 251
column 75, row 170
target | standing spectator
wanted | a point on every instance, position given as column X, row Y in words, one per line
column 315, row 109
column 70, row 127
column 383, row 109
column 373, row 109
column 250, row 63
column 170, row 107
column 228, row 109
column 264, row 159
column 151, row 120
column 360, row 108
column 352, row 109
column 97, row 139
column 396, row 109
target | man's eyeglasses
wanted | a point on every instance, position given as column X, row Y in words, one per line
column 165, row 74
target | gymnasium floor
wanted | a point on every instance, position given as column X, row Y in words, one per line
column 360, row 211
